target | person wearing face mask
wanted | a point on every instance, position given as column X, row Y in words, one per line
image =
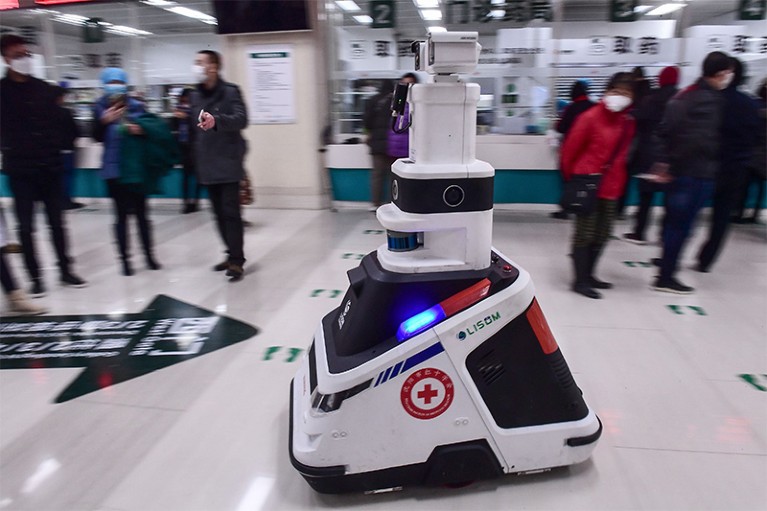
column 597, row 144
column 218, row 116
column 138, row 147
column 31, row 147
column 688, row 161
column 740, row 136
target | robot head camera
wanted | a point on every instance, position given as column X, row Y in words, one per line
column 447, row 53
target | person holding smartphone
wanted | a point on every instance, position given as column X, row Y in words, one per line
column 116, row 116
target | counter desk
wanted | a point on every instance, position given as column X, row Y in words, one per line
column 526, row 169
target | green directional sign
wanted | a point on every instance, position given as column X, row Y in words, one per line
column 113, row 349
column 383, row 13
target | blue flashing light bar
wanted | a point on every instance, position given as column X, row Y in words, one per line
column 420, row 322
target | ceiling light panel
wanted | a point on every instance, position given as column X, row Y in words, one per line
column 427, row 4
column 363, row 19
column 348, row 5
column 665, row 9
column 430, row 14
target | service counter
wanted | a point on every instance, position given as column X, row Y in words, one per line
column 525, row 169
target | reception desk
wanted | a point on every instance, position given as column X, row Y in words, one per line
column 525, row 169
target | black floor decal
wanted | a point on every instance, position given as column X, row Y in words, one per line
column 117, row 348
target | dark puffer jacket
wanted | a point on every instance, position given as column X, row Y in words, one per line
column 219, row 152
column 690, row 133
column 648, row 115
column 30, row 134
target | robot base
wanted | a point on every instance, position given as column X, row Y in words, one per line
column 482, row 393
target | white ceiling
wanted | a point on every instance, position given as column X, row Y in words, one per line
column 408, row 22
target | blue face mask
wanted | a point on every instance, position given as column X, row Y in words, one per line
column 115, row 88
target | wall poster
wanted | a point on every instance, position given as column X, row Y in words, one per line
column 271, row 98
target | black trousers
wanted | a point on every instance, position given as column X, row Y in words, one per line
column 40, row 185
column 190, row 187
column 225, row 198
column 129, row 201
column 725, row 200
column 6, row 277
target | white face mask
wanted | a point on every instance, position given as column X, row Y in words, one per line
column 199, row 73
column 727, row 80
column 22, row 66
column 616, row 103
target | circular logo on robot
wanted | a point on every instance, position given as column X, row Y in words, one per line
column 427, row 393
column 394, row 189
column 461, row 335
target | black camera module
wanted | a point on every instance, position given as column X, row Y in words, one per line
column 453, row 196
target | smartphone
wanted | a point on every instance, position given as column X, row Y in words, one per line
column 199, row 117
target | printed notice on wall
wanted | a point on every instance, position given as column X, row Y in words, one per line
column 270, row 76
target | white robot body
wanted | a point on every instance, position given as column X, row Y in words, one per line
column 438, row 366
column 381, row 431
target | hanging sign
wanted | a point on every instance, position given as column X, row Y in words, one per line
column 113, row 349
column 270, row 77
column 752, row 9
column 382, row 12
column 622, row 10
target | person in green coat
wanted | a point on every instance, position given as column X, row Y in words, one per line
column 138, row 150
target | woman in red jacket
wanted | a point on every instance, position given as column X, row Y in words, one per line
column 598, row 144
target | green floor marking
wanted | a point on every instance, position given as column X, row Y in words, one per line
column 752, row 379
column 350, row 255
column 316, row 293
column 271, row 350
column 335, row 292
column 373, row 231
column 698, row 310
column 676, row 308
column 294, row 352
column 630, row 264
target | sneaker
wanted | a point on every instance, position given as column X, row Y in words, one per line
column 561, row 215
column 221, row 266
column 633, row 238
column 671, row 286
column 235, row 272
column 38, row 289
column 70, row 279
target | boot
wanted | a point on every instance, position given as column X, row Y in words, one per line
column 596, row 252
column 121, row 234
column 17, row 302
column 146, row 242
column 581, row 263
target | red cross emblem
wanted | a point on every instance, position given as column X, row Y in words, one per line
column 427, row 393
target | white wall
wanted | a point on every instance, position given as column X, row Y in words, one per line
column 283, row 159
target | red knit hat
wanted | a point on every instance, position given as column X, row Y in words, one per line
column 669, row 76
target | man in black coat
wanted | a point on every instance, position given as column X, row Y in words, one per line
column 740, row 131
column 220, row 115
column 648, row 115
column 688, row 160
column 31, row 143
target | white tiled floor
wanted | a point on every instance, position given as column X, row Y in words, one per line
column 682, row 429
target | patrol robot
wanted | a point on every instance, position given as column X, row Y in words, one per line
column 438, row 367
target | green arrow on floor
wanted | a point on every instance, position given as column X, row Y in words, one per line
column 676, row 308
column 630, row 264
column 751, row 379
column 698, row 310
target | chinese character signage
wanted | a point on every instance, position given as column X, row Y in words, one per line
column 462, row 12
